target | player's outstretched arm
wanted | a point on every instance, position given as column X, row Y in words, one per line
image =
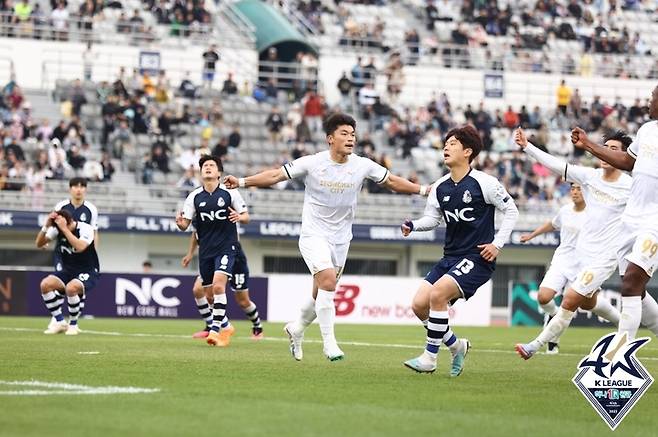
column 236, row 217
column 263, row 179
column 556, row 165
column 616, row 158
column 402, row 185
column 182, row 222
column 543, row 229
column 432, row 216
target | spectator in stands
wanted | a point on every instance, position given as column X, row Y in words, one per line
column 77, row 98
column 189, row 159
column 235, row 137
column 230, row 88
column 59, row 17
column 563, row 97
column 74, row 158
column 358, row 75
column 210, row 59
column 186, row 87
column 221, row 148
column 511, row 118
column 188, row 182
column 160, row 158
column 136, row 22
column 108, row 167
column 274, row 123
column 345, row 87
column 313, row 111
column 22, row 17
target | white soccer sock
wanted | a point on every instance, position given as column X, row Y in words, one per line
column 554, row 329
column 74, row 309
column 650, row 313
column 52, row 301
column 549, row 308
column 307, row 315
column 604, row 308
column 326, row 312
column 631, row 315
column 204, row 309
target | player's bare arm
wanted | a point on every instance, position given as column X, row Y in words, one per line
column 543, row 229
column 263, row 179
column 616, row 158
column 42, row 239
column 78, row 244
column 402, row 185
column 235, row 217
column 190, row 251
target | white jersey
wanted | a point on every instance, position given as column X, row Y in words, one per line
column 642, row 208
column 605, row 204
column 569, row 222
column 331, row 192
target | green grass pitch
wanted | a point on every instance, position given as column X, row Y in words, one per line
column 257, row 389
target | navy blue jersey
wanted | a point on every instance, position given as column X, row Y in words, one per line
column 468, row 209
column 85, row 213
column 72, row 261
column 209, row 212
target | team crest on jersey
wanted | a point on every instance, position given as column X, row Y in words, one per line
column 83, row 217
column 467, row 197
column 611, row 377
column 202, row 204
column 220, row 202
column 446, row 198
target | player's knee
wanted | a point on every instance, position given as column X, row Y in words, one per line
column 73, row 289
column 420, row 309
column 198, row 292
column 218, row 289
column 572, row 301
column 242, row 299
column 438, row 298
column 327, row 282
column 545, row 296
column 634, row 282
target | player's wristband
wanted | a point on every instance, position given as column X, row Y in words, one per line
column 424, row 190
column 44, row 229
column 409, row 224
column 242, row 183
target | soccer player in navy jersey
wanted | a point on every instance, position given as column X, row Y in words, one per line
column 211, row 204
column 466, row 200
column 83, row 211
column 79, row 272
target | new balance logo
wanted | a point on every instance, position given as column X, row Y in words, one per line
column 459, row 215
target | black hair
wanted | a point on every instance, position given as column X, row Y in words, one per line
column 335, row 120
column 217, row 160
column 77, row 181
column 67, row 215
column 469, row 137
column 620, row 136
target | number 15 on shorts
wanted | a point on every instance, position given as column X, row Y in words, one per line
column 463, row 267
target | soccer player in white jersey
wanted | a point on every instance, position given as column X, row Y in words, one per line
column 82, row 211
column 563, row 270
column 639, row 249
column 606, row 192
column 466, row 200
column 333, row 180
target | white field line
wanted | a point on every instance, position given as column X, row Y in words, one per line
column 347, row 343
column 61, row 388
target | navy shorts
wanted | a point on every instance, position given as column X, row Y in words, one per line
column 88, row 279
column 470, row 272
column 222, row 263
column 240, row 279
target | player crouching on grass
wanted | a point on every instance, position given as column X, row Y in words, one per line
column 466, row 200
column 80, row 268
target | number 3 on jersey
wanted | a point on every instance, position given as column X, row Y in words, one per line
column 463, row 267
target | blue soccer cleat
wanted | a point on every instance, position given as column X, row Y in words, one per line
column 418, row 366
column 459, row 358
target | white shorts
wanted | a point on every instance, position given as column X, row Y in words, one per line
column 639, row 248
column 320, row 254
column 594, row 272
column 557, row 278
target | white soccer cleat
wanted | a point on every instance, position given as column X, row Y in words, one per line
column 333, row 352
column 295, row 341
column 419, row 365
column 56, row 328
column 73, row 330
